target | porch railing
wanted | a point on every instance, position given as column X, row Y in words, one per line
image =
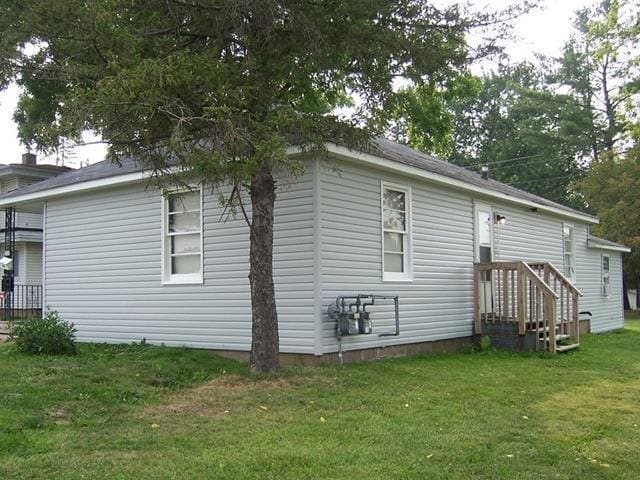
column 567, row 310
column 24, row 301
column 536, row 296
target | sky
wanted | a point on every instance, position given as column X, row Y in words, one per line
column 542, row 31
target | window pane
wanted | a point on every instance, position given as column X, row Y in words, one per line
column 568, row 266
column 394, row 220
column 180, row 202
column 393, row 242
column 184, row 222
column 393, row 262
column 394, row 200
column 485, row 254
column 185, row 264
column 185, row 244
column 605, row 264
column 568, row 246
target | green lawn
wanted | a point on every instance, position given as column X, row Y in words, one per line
column 141, row 412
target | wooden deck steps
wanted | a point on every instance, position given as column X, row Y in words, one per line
column 566, row 348
column 535, row 296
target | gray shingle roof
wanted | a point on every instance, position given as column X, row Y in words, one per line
column 97, row 171
column 408, row 156
column 381, row 147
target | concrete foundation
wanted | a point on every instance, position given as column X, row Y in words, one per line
column 361, row 355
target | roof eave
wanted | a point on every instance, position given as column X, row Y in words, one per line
column 614, row 248
column 123, row 179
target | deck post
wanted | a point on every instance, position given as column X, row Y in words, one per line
column 522, row 299
column 476, row 301
column 575, row 316
column 550, row 309
column 505, row 293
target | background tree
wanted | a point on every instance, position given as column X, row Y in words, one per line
column 530, row 136
column 599, row 67
column 612, row 188
column 527, row 134
column 219, row 89
column 540, row 125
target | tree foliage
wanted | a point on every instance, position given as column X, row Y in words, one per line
column 599, row 66
column 611, row 188
column 529, row 135
column 539, row 125
column 221, row 88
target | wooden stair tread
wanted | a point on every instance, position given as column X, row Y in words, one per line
column 564, row 348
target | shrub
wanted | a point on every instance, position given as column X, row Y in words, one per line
column 485, row 343
column 49, row 335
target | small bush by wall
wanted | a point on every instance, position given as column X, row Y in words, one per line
column 49, row 335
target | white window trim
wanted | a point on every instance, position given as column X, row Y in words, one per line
column 572, row 278
column 604, row 292
column 407, row 274
column 477, row 206
column 179, row 279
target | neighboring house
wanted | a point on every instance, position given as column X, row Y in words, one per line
column 27, row 237
column 126, row 263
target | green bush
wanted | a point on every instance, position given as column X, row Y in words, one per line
column 49, row 335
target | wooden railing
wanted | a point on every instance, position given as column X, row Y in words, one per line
column 567, row 311
column 535, row 296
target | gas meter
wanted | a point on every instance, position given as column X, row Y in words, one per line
column 353, row 318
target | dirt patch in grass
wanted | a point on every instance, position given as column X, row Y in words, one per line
column 218, row 397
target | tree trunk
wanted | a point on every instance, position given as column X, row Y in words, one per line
column 609, row 131
column 264, row 328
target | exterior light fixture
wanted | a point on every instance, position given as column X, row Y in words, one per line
column 500, row 219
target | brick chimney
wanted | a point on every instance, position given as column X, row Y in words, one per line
column 29, row 158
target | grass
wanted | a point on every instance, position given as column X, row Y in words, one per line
column 151, row 412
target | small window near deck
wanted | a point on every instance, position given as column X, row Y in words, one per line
column 606, row 284
column 182, row 238
column 569, row 257
column 395, row 232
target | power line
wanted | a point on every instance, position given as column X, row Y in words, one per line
column 507, row 160
column 532, row 162
column 537, row 180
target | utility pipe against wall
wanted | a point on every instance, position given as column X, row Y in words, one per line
column 341, row 307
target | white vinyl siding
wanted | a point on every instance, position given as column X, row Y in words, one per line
column 104, row 260
column 396, row 232
column 104, row 268
column 438, row 303
column 607, row 311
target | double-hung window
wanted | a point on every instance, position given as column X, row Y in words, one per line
column 569, row 254
column 606, row 284
column 396, row 233
column 182, row 236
